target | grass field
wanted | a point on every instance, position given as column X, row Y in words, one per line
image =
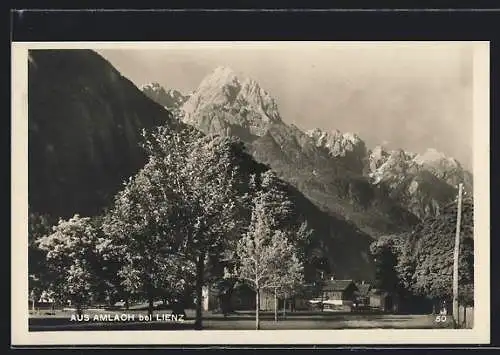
column 236, row 321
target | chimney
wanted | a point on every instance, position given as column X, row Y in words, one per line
column 362, row 282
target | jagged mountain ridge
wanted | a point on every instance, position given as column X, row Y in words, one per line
column 85, row 120
column 226, row 103
column 170, row 99
column 344, row 146
column 422, row 182
column 329, row 167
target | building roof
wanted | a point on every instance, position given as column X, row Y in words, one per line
column 337, row 285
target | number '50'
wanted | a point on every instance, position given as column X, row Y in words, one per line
column 440, row 318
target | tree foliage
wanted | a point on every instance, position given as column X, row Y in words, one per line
column 142, row 236
column 38, row 274
column 421, row 262
column 385, row 253
column 73, row 260
column 203, row 173
column 183, row 208
column 433, row 254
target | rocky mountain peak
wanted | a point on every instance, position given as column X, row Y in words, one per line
column 379, row 152
column 155, row 86
column 219, row 79
column 225, row 99
column 171, row 99
column 338, row 143
column 434, row 157
column 444, row 167
column 390, row 165
column 431, row 160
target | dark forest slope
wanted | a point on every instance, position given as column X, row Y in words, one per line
column 84, row 126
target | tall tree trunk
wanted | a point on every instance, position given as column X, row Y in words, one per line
column 150, row 289
column 200, row 269
column 275, row 306
column 257, row 306
column 150, row 307
column 126, row 304
column 226, row 304
column 284, row 307
column 229, row 300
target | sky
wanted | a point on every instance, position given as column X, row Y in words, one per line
column 412, row 96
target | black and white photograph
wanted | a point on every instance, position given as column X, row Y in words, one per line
column 191, row 190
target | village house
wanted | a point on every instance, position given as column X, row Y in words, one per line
column 338, row 295
column 383, row 300
column 243, row 298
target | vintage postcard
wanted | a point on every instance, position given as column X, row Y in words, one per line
column 250, row 193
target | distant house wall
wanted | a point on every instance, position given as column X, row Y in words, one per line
column 210, row 300
column 376, row 301
column 266, row 300
column 347, row 294
column 363, row 300
column 244, row 299
column 339, row 295
column 385, row 302
column 333, row 295
column 293, row 303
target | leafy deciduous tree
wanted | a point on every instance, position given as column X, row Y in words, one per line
column 142, row 237
column 433, row 255
column 385, row 253
column 266, row 257
column 203, row 172
column 73, row 260
column 421, row 263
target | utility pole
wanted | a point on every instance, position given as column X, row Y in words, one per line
column 456, row 259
